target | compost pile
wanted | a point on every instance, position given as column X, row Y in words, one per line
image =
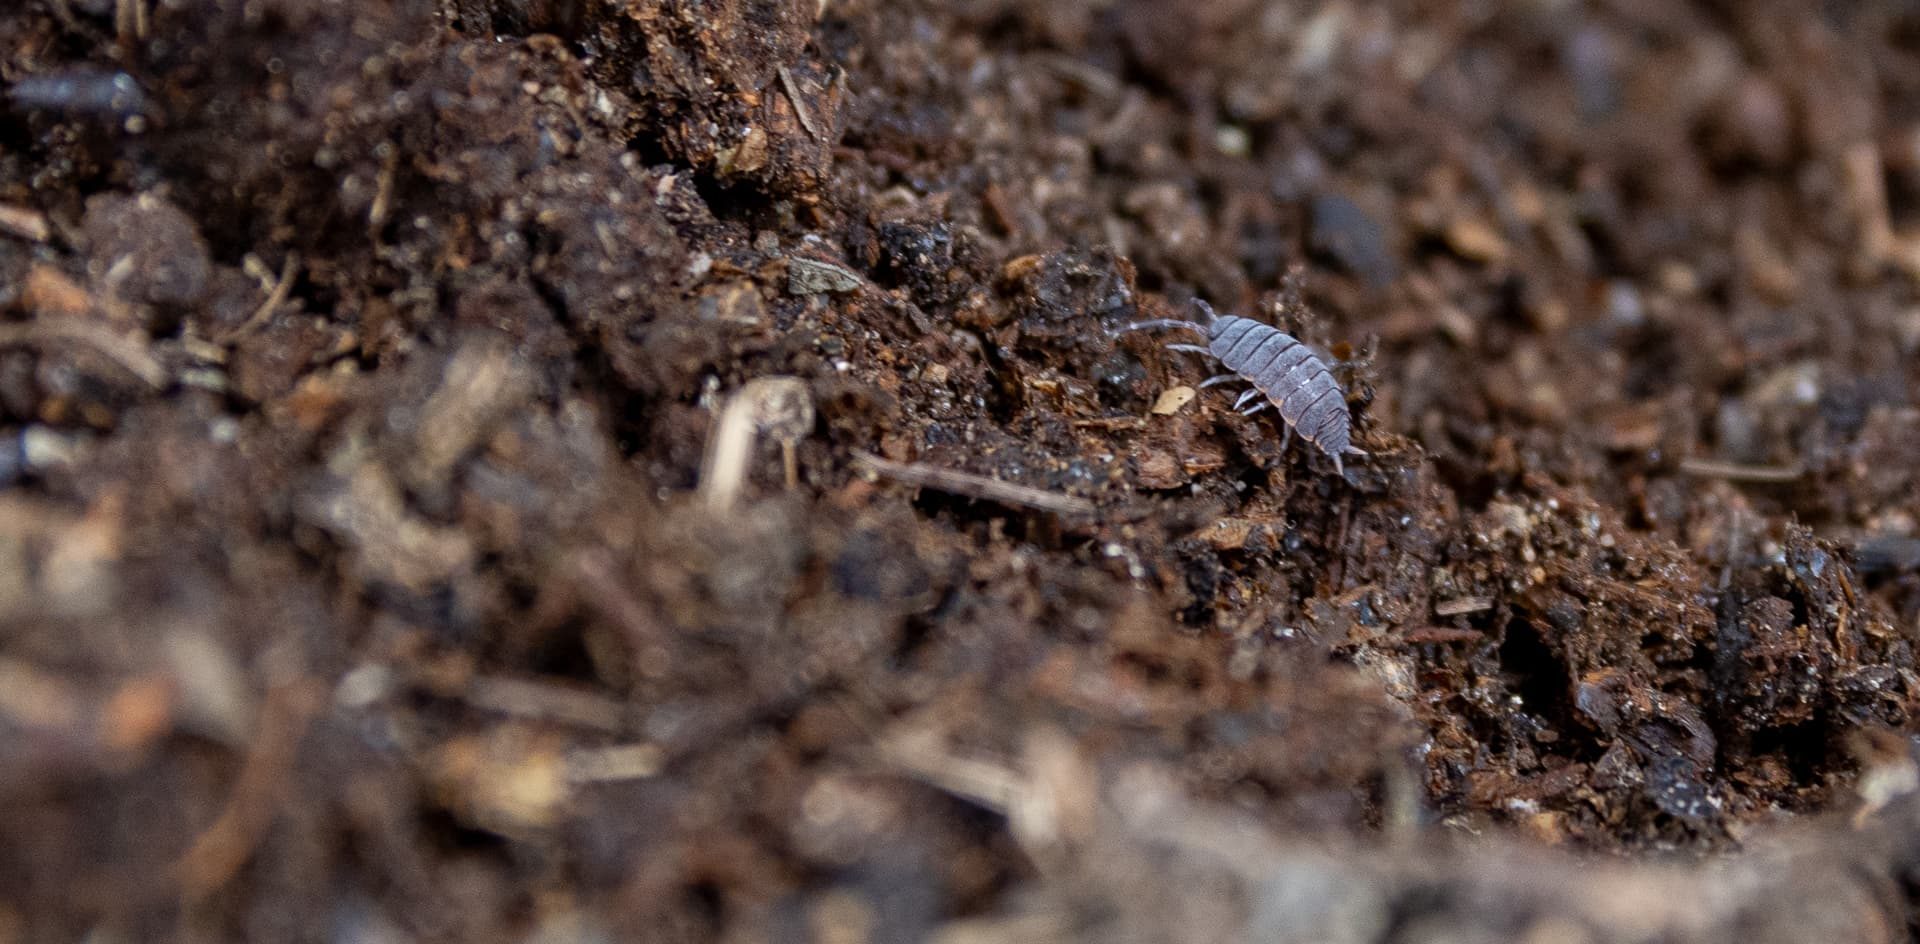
column 580, row 470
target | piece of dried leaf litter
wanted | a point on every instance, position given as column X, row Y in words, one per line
column 813, row 277
column 1172, row 400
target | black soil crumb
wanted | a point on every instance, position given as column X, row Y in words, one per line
column 553, row 470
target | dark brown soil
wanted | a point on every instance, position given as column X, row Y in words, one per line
column 368, row 570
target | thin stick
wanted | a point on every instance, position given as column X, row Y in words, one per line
column 1164, row 323
column 1462, row 605
column 546, row 701
column 217, row 854
column 778, row 406
column 974, row 486
column 281, row 288
column 1736, row 472
column 130, row 356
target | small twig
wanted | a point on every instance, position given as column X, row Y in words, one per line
column 1462, row 605
column 217, row 854
column 383, row 190
column 130, row 20
column 800, row 105
column 545, row 701
column 275, row 298
column 989, row 785
column 780, row 407
column 1736, row 472
column 1109, row 422
column 974, row 486
column 608, row 593
column 615, row 762
column 131, row 357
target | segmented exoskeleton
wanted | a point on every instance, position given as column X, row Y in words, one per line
column 1289, row 376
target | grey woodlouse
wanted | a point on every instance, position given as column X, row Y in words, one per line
column 1282, row 370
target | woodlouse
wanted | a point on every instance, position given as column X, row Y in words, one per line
column 1283, row 370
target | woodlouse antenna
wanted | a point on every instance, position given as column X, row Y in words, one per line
column 1164, row 323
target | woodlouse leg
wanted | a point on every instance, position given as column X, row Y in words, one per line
column 1286, row 438
column 1237, row 404
column 1218, row 379
column 1249, row 411
column 1191, row 348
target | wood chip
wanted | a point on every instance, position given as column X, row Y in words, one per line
column 1475, row 240
column 1158, row 469
column 27, row 224
column 48, row 291
column 1230, row 534
column 1460, row 605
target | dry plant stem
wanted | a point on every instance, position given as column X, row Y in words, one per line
column 546, row 701
column 131, row 356
column 604, row 589
column 727, row 453
column 281, row 288
column 1736, row 472
column 777, row 406
column 974, row 486
column 219, row 852
column 799, row 105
